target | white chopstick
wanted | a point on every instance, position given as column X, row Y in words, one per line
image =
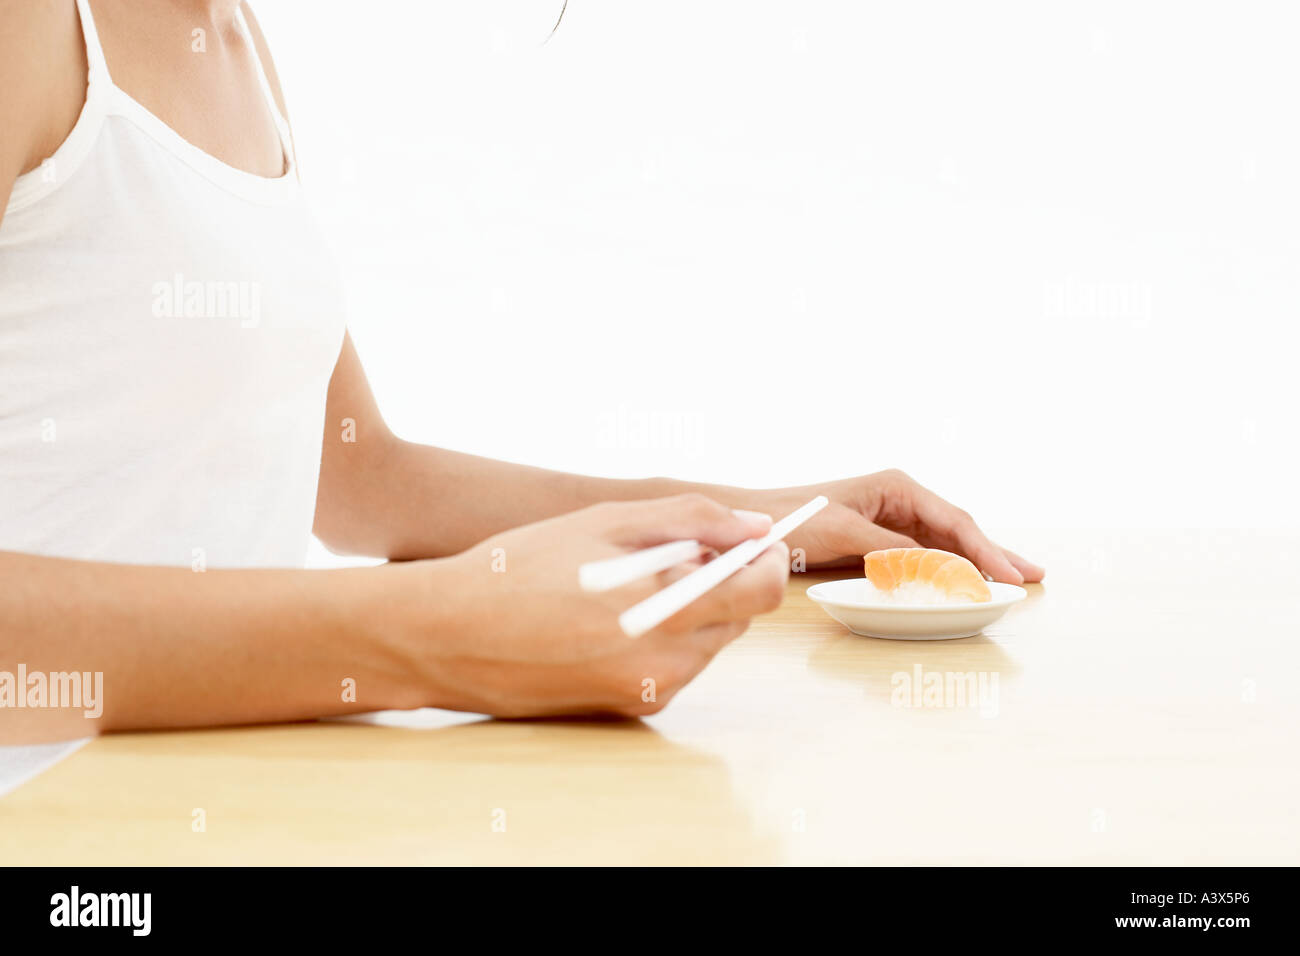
column 615, row 572
column 659, row 607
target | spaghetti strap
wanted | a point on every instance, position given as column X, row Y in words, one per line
column 98, row 66
column 281, row 123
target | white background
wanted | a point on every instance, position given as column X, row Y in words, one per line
column 1041, row 256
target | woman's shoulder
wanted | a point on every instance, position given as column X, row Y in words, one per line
column 42, row 83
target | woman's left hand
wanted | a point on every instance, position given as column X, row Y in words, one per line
column 887, row 510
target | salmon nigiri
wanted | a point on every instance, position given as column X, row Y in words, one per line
column 925, row 576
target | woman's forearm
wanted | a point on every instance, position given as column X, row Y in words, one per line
column 417, row 501
column 169, row 647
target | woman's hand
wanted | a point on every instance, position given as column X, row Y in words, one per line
column 888, row 510
column 514, row 636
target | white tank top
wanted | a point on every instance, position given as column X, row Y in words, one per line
column 168, row 328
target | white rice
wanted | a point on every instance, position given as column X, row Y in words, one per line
column 915, row 592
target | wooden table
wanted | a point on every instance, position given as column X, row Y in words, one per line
column 1145, row 711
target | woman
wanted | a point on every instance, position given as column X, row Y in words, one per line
column 170, row 352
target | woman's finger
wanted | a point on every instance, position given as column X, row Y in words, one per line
column 711, row 639
column 675, row 664
column 959, row 528
column 849, row 532
column 1031, row 572
column 640, row 524
column 755, row 589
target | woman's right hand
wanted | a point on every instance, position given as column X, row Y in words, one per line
column 514, row 636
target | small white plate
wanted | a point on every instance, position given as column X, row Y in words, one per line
column 853, row 604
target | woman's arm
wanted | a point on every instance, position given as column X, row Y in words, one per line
column 42, row 84
column 501, row 629
column 176, row 648
column 386, row 497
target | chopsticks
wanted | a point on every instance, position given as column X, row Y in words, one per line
column 615, row 572
column 654, row 610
